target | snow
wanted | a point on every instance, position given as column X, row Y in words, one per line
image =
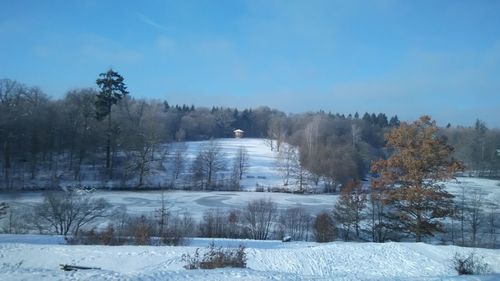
column 262, row 168
column 267, row 260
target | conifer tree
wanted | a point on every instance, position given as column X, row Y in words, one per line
column 413, row 177
column 112, row 90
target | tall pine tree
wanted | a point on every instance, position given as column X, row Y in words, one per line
column 112, row 90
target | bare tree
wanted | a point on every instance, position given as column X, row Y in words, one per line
column 287, row 163
column 66, row 212
column 3, row 209
column 277, row 131
column 474, row 214
column 379, row 222
column 242, row 161
column 493, row 223
column 178, row 161
column 142, row 138
column 80, row 107
column 259, row 216
column 209, row 161
column 311, row 134
column 214, row 224
column 294, row 222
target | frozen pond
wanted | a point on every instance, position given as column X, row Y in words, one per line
column 196, row 203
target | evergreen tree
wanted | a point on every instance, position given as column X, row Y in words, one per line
column 394, row 122
column 112, row 90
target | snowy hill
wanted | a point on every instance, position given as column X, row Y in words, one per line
column 267, row 260
column 262, row 169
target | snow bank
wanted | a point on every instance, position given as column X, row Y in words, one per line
column 266, row 260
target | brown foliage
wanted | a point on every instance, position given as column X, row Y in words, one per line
column 411, row 177
column 324, row 228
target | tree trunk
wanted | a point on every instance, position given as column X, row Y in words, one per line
column 108, row 144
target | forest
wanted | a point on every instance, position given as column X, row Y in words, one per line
column 120, row 136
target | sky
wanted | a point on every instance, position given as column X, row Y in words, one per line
column 440, row 58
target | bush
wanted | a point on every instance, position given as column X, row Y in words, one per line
column 141, row 230
column 95, row 237
column 470, row 264
column 216, row 257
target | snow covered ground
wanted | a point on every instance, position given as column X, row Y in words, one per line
column 267, row 260
column 262, row 169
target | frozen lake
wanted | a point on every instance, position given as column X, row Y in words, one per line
column 196, row 203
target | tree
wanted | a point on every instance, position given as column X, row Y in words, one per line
column 277, row 130
column 474, row 214
column 80, row 110
column 380, row 223
column 214, row 224
column 287, row 163
column 242, row 161
column 479, row 145
column 178, row 161
column 112, row 90
column 143, row 137
column 413, row 176
column 259, row 215
column 3, row 209
column 66, row 212
column 209, row 161
column 349, row 208
column 294, row 222
column 324, row 228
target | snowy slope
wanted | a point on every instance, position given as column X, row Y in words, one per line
column 267, row 260
column 262, row 168
column 261, row 162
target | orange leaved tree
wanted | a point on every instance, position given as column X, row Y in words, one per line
column 412, row 177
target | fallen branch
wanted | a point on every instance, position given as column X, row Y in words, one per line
column 67, row 267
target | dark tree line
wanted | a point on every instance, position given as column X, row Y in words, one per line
column 104, row 134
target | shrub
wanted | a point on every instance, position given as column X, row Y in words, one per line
column 96, row 237
column 216, row 257
column 470, row 264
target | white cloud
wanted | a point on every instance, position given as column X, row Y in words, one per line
column 151, row 22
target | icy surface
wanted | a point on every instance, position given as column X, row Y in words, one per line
column 197, row 202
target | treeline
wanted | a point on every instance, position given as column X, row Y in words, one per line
column 115, row 137
column 478, row 147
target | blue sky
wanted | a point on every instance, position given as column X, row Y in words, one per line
column 408, row 58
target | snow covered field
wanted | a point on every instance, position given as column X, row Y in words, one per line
column 267, row 260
